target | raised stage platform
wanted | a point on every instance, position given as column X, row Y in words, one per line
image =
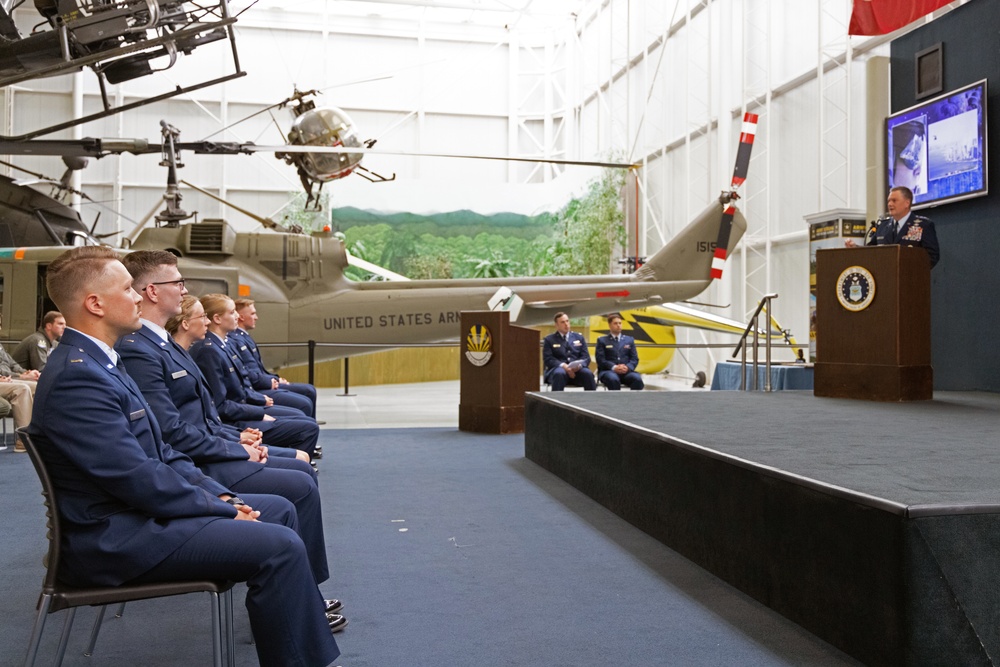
column 875, row 526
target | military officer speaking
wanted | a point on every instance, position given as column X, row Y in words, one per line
column 903, row 227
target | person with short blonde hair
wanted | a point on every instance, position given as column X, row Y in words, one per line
column 235, row 399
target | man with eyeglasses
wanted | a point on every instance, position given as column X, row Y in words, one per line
column 174, row 387
column 134, row 510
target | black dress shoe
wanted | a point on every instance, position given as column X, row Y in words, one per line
column 333, row 606
column 337, row 622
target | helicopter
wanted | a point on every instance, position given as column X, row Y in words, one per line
column 323, row 126
column 301, row 292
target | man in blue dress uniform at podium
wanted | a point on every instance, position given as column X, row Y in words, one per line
column 903, row 227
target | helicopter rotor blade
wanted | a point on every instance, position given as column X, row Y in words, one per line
column 101, row 147
column 739, row 176
column 248, row 148
column 289, row 99
column 266, row 222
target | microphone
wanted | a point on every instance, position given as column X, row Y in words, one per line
column 870, row 235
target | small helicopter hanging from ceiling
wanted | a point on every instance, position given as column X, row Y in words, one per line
column 319, row 127
column 323, row 126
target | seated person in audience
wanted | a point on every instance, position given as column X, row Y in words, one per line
column 172, row 384
column 33, row 351
column 134, row 511
column 299, row 395
column 20, row 393
column 236, row 401
column 617, row 358
column 5, row 410
column 13, row 370
column 191, row 325
column 566, row 358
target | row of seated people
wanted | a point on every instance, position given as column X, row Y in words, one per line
column 20, row 371
column 567, row 360
column 151, row 475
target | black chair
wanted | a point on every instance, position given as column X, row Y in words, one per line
column 56, row 596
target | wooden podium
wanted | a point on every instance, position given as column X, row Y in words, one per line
column 876, row 349
column 499, row 364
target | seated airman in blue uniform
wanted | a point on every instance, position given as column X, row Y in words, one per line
column 617, row 358
column 566, row 359
column 238, row 404
column 299, row 395
column 134, row 510
column 173, row 385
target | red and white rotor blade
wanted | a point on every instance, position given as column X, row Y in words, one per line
column 739, row 176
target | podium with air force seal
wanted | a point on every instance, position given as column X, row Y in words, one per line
column 499, row 364
column 873, row 324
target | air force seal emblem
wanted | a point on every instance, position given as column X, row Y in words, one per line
column 855, row 288
column 478, row 344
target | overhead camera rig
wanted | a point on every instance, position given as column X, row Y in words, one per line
column 117, row 40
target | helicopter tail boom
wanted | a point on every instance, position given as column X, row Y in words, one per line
column 689, row 255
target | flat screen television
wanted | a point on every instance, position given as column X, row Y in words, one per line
column 938, row 148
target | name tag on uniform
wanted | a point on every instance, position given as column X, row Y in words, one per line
column 578, row 343
column 138, row 414
column 243, row 347
column 609, row 347
column 556, row 345
column 178, row 374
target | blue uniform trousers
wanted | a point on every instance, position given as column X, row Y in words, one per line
column 614, row 382
column 285, row 607
column 301, row 490
column 558, row 378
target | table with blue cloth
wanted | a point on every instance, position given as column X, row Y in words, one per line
column 791, row 376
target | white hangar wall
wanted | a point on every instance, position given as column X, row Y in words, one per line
column 662, row 83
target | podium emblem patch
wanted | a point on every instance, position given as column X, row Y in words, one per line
column 855, row 288
column 478, row 344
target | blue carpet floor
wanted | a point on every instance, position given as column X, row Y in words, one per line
column 447, row 549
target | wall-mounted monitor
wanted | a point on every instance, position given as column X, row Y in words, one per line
column 938, row 148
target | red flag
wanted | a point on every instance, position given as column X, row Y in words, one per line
column 878, row 17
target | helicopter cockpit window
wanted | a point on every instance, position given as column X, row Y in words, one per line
column 202, row 286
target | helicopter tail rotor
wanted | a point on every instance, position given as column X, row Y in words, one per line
column 727, row 198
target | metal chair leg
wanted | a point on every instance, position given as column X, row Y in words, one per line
column 36, row 631
column 230, row 634
column 64, row 639
column 121, row 610
column 216, row 631
column 97, row 629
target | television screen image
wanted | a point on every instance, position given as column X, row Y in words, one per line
column 938, row 148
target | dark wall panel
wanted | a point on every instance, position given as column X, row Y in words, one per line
column 966, row 283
